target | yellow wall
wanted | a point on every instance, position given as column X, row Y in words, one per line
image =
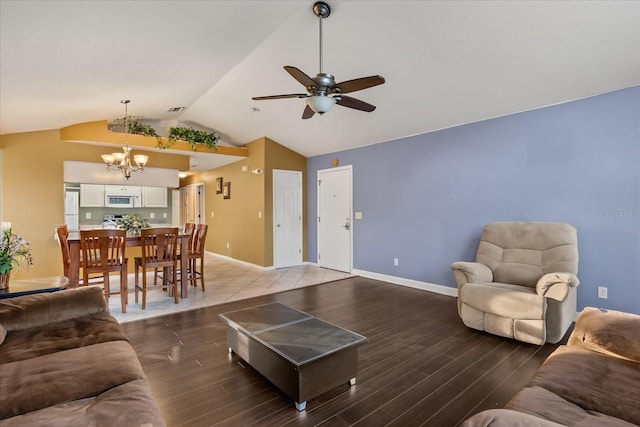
column 245, row 221
column 33, row 190
column 33, row 196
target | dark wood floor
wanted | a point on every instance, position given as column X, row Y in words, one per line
column 421, row 366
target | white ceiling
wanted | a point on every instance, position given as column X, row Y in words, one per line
column 445, row 63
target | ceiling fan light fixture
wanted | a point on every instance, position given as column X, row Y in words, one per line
column 321, row 103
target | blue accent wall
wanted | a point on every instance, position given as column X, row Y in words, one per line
column 426, row 198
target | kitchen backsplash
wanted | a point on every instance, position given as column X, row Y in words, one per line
column 97, row 215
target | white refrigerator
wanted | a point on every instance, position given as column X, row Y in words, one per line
column 71, row 209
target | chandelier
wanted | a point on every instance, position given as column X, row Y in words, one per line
column 123, row 160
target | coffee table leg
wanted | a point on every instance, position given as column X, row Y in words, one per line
column 352, row 381
column 301, row 406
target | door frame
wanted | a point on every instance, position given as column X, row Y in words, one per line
column 318, row 205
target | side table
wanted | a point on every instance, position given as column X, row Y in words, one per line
column 34, row 286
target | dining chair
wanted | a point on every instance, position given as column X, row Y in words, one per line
column 159, row 251
column 103, row 253
column 189, row 228
column 196, row 252
column 63, row 239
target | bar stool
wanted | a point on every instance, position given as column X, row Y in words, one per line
column 159, row 250
column 103, row 253
column 189, row 228
column 196, row 252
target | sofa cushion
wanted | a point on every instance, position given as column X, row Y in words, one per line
column 506, row 418
column 51, row 379
column 593, row 381
column 36, row 310
column 54, row 337
column 549, row 406
column 129, row 404
column 609, row 332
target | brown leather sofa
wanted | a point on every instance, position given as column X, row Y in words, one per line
column 592, row 381
column 65, row 361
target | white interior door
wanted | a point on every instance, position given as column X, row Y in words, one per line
column 287, row 218
column 334, row 218
column 192, row 199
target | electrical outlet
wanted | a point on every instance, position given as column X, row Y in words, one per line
column 87, row 215
column 164, row 215
column 395, row 261
column 152, row 215
column 602, row 292
column 228, row 245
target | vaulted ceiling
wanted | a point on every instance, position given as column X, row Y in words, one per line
column 445, row 63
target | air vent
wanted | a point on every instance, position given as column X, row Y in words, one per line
column 176, row 109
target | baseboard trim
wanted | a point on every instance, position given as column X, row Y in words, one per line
column 425, row 286
column 249, row 264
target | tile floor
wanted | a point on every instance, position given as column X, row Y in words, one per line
column 225, row 280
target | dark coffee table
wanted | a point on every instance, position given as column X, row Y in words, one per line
column 302, row 355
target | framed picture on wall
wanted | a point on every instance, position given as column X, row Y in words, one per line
column 226, row 190
column 218, row 185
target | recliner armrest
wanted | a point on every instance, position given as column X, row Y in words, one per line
column 556, row 285
column 474, row 272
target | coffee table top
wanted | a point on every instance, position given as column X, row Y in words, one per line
column 295, row 335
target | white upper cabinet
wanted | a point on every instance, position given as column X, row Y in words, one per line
column 123, row 190
column 91, row 195
column 154, row 197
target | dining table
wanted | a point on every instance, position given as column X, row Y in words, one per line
column 132, row 240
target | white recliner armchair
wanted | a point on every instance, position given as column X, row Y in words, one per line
column 523, row 283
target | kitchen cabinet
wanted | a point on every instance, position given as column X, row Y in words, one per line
column 123, row 190
column 91, row 195
column 154, row 197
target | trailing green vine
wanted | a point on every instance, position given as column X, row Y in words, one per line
column 192, row 137
column 137, row 126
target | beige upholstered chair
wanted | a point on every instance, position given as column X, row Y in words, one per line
column 523, row 283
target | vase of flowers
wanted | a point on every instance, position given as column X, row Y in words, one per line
column 14, row 251
column 132, row 223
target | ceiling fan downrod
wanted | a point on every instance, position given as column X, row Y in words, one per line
column 321, row 10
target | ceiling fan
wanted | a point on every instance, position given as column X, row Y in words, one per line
column 323, row 91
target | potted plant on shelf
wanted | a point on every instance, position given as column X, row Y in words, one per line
column 132, row 223
column 191, row 136
column 13, row 251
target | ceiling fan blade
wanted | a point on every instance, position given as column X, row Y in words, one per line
column 357, row 84
column 305, row 80
column 307, row 113
column 356, row 104
column 292, row 95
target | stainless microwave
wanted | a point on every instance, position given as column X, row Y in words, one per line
column 121, row 201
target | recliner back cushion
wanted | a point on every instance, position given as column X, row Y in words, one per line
column 522, row 252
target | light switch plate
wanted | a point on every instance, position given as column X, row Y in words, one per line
column 358, row 215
